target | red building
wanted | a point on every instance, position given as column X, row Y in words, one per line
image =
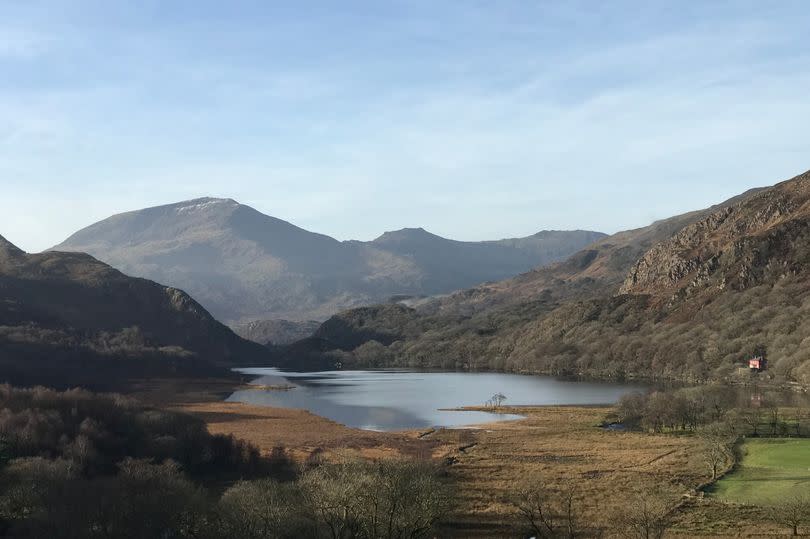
column 757, row 363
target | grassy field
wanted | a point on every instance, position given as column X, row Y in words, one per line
column 562, row 447
column 556, row 447
column 771, row 470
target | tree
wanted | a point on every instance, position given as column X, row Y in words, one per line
column 793, row 513
column 5, row 453
column 752, row 417
column 647, row 516
column 411, row 498
column 264, row 509
column 715, row 454
column 335, row 493
column 548, row 514
column 659, row 413
column 148, row 500
column 390, row 499
column 717, row 441
column 497, row 399
column 630, row 409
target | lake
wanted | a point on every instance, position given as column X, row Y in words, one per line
column 403, row 400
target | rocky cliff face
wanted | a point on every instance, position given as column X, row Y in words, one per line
column 599, row 270
column 762, row 238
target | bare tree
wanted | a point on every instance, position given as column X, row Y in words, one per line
column 390, row 499
column 263, row 509
column 647, row 516
column 793, row 512
column 409, row 498
column 752, row 417
column 547, row 513
column 717, row 443
column 715, row 455
column 335, row 493
column 497, row 399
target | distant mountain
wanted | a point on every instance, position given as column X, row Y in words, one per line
column 451, row 265
column 67, row 316
column 276, row 332
column 246, row 266
column 688, row 298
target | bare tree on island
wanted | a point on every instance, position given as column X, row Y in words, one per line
column 496, row 400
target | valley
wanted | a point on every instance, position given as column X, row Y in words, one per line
column 404, row 270
column 656, row 325
column 687, row 299
column 558, row 447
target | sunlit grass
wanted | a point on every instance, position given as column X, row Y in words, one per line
column 771, row 470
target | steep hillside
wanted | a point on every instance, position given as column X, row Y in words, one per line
column 760, row 240
column 245, row 266
column 704, row 291
column 60, row 308
column 593, row 272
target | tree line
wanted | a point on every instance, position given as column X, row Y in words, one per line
column 76, row 464
column 716, row 408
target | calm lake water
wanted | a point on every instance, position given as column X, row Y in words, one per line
column 400, row 400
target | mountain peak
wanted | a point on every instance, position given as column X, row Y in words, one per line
column 406, row 234
column 8, row 248
column 244, row 265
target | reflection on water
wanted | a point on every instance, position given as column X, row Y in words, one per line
column 398, row 400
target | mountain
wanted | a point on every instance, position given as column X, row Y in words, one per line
column 276, row 332
column 688, row 298
column 245, row 266
column 451, row 265
column 595, row 271
column 65, row 314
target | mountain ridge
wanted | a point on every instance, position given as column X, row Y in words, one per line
column 687, row 298
column 245, row 266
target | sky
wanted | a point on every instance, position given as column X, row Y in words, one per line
column 473, row 119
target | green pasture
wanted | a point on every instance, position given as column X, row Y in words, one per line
column 771, row 470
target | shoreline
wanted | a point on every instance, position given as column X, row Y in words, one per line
column 301, row 433
column 553, row 444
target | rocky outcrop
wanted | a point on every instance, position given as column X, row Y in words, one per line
column 757, row 239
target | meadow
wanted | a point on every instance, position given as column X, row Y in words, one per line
column 771, row 470
column 561, row 448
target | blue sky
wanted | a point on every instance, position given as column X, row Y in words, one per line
column 475, row 120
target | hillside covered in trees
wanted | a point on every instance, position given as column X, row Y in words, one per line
column 688, row 298
column 77, row 464
column 66, row 318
